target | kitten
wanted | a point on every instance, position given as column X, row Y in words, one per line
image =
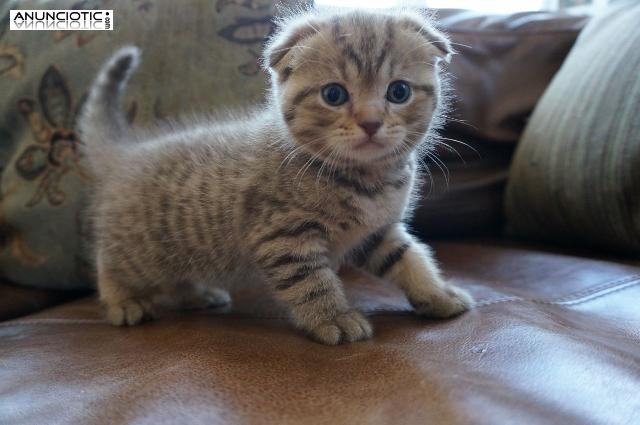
column 321, row 176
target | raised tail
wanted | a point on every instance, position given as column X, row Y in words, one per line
column 102, row 122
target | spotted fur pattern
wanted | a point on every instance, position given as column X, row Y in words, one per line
column 282, row 196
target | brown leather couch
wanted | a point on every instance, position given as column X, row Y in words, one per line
column 554, row 337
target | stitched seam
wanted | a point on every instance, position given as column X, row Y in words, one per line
column 593, row 296
column 577, row 298
column 484, row 303
column 593, row 290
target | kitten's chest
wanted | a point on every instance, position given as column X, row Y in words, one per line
column 365, row 214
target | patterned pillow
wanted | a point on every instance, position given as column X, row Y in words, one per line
column 575, row 177
column 197, row 55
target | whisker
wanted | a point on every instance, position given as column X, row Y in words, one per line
column 462, row 143
column 423, row 167
column 420, row 63
column 453, row 44
column 450, row 149
column 441, row 166
column 297, row 46
column 308, row 164
column 459, row 121
column 300, row 64
column 318, row 32
column 426, row 44
column 297, row 149
column 324, row 163
column 437, row 138
column 334, row 167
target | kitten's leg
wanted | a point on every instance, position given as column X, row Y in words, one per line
column 190, row 296
column 125, row 302
column 395, row 255
column 206, row 298
column 297, row 269
column 126, row 306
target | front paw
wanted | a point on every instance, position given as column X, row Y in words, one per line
column 441, row 302
column 345, row 327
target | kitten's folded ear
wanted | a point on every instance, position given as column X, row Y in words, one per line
column 423, row 26
column 287, row 36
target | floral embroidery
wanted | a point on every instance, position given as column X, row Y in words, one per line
column 11, row 58
column 56, row 150
column 247, row 30
column 11, row 61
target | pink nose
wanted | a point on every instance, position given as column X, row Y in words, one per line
column 370, row 127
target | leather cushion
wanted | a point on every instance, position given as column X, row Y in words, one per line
column 553, row 339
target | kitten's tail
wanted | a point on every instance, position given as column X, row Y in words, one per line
column 102, row 122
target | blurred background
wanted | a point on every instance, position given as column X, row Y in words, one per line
column 489, row 6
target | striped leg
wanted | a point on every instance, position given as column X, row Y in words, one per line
column 298, row 271
column 122, row 295
column 395, row 255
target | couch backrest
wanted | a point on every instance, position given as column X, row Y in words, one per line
column 203, row 54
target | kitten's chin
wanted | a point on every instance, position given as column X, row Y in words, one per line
column 367, row 158
column 373, row 150
column 369, row 144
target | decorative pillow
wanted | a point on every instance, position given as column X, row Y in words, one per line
column 575, row 177
column 197, row 55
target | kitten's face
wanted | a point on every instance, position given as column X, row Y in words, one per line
column 357, row 88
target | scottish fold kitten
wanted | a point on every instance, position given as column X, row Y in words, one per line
column 323, row 175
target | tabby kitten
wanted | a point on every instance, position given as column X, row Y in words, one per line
column 321, row 176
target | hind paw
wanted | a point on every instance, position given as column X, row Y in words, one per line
column 129, row 312
column 207, row 298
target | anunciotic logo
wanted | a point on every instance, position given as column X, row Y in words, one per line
column 61, row 20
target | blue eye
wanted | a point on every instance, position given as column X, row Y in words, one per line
column 334, row 94
column 398, row 92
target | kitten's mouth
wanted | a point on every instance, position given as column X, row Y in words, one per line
column 369, row 142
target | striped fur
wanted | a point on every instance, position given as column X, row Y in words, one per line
column 280, row 197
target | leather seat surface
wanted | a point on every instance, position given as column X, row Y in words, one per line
column 554, row 339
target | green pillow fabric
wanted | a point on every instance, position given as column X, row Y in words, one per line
column 197, row 56
column 575, row 176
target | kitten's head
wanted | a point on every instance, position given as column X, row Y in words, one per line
column 357, row 87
